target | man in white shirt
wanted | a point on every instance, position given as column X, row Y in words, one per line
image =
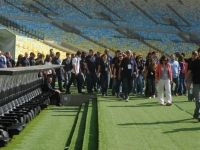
column 75, row 73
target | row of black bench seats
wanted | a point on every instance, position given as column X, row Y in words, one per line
column 18, row 106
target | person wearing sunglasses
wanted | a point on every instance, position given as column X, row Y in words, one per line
column 164, row 79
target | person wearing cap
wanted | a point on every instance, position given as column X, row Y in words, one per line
column 128, row 65
column 75, row 74
column 59, row 71
column 31, row 59
column 188, row 63
column 175, row 74
column 90, row 63
column 194, row 69
column 67, row 72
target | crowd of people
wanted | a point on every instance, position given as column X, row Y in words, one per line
column 125, row 73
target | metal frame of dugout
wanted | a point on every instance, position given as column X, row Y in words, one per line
column 21, row 98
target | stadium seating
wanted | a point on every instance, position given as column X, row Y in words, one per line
column 132, row 16
column 21, row 99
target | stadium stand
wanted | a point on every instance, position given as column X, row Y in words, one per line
column 135, row 14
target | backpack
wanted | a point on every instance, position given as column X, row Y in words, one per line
column 183, row 70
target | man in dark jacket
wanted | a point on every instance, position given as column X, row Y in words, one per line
column 54, row 93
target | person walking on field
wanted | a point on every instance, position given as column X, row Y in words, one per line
column 194, row 70
column 150, row 77
column 164, row 80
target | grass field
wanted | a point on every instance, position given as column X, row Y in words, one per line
column 112, row 124
column 142, row 124
column 50, row 130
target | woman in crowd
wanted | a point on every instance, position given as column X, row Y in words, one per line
column 140, row 67
column 116, row 73
column 150, row 78
column 19, row 59
column 40, row 59
column 48, row 61
column 164, row 80
column 104, row 69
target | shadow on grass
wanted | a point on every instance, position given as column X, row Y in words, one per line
column 63, row 115
column 63, row 108
column 150, row 104
column 182, row 130
column 66, row 111
column 182, row 109
column 79, row 140
column 72, row 130
column 81, row 131
column 158, row 122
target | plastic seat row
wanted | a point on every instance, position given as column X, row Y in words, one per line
column 16, row 110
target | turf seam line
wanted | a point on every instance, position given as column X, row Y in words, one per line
column 90, row 141
column 77, row 138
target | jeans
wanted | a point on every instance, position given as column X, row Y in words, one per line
column 140, row 84
column 67, row 76
column 161, row 85
column 127, row 86
column 151, row 86
column 134, row 88
column 91, row 81
column 113, row 86
column 176, row 81
column 79, row 83
column 182, row 84
column 118, row 86
column 196, row 89
column 59, row 76
column 190, row 91
column 104, row 83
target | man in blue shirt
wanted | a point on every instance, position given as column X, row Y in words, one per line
column 90, row 63
column 2, row 60
column 8, row 63
column 24, row 62
column 175, row 74
column 56, row 60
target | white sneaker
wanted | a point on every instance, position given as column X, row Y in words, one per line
column 154, row 96
column 149, row 97
column 127, row 99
